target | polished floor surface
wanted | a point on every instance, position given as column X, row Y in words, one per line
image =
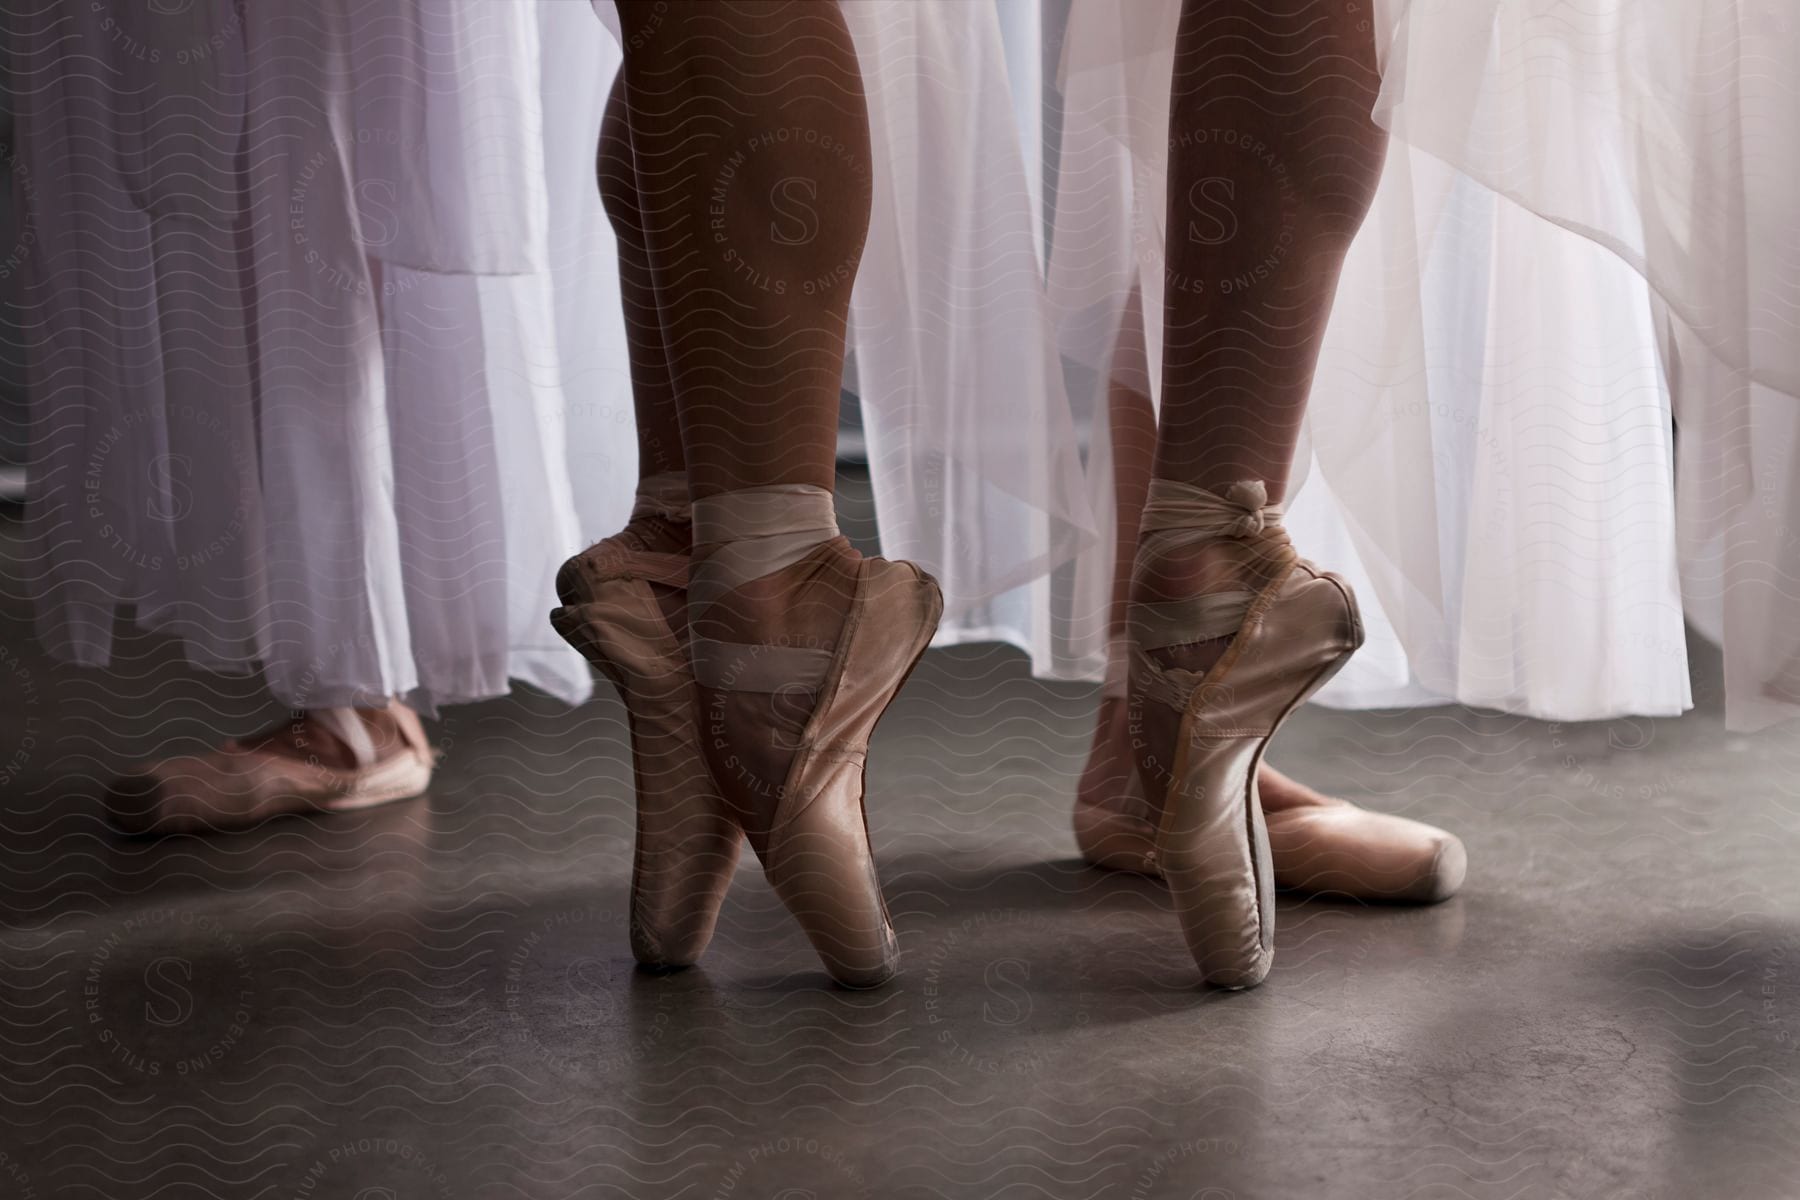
column 435, row 999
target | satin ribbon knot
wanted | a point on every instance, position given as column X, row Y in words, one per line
column 1241, row 510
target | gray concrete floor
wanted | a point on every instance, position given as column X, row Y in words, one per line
column 436, row 999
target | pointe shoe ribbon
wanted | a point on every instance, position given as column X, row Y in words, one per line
column 743, row 536
column 1242, row 510
column 1177, row 515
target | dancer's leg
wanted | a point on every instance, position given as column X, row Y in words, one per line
column 624, row 606
column 660, row 523
column 751, row 137
column 1273, row 160
column 652, row 389
column 749, row 132
column 1131, row 418
column 1111, row 818
column 1108, row 789
column 1131, row 422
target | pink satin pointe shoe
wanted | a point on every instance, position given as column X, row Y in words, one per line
column 624, row 607
column 1200, row 736
column 1318, row 844
column 1326, row 846
column 764, row 738
column 789, row 716
column 328, row 760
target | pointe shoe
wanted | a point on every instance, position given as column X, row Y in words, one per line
column 1325, row 846
column 244, row 783
column 809, row 830
column 1287, row 638
column 687, row 842
column 1318, row 844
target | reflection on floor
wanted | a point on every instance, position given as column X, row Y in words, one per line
column 435, row 999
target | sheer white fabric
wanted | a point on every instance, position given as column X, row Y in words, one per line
column 307, row 390
column 973, row 453
column 1582, row 215
column 1666, row 134
column 328, row 367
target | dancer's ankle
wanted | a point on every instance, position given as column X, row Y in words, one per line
column 1198, row 544
column 330, row 737
column 1205, row 568
column 771, row 585
column 662, row 520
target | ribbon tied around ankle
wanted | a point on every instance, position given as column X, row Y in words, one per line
column 741, row 536
column 1178, row 515
column 1242, row 511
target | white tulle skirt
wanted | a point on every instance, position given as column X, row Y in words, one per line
column 327, row 357
column 328, row 365
column 1585, row 228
